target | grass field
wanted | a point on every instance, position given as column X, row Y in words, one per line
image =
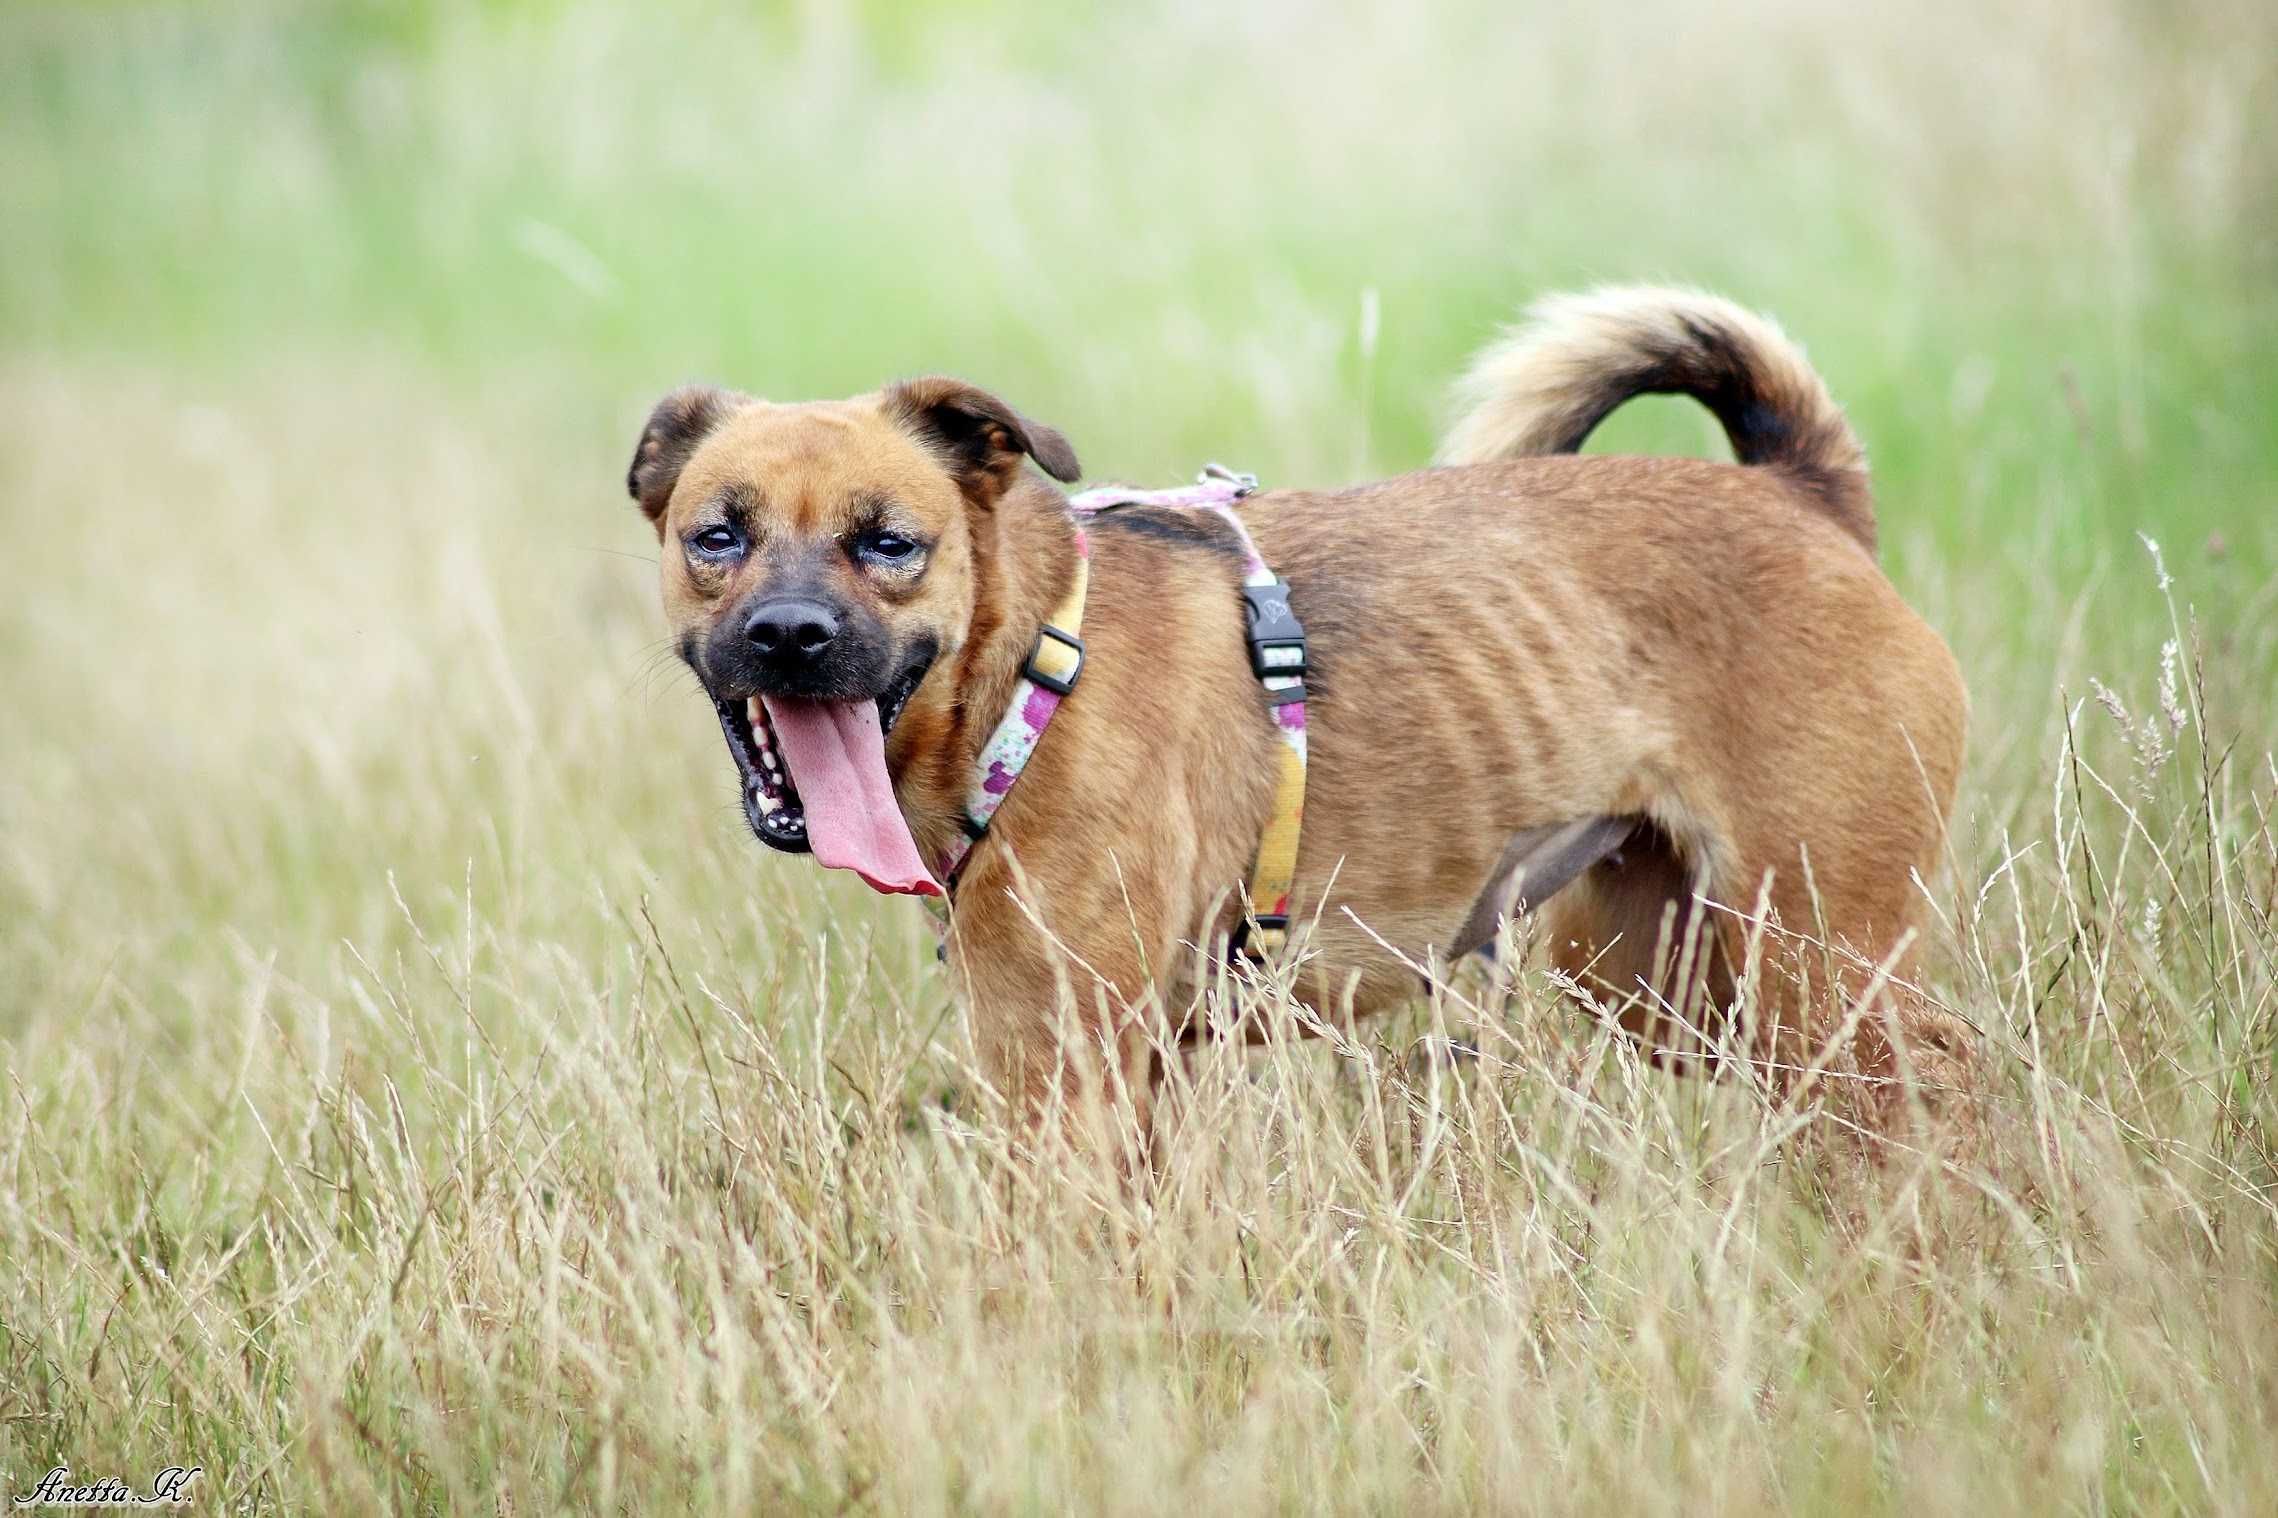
column 422, row 1095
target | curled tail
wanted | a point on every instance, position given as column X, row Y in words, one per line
column 1546, row 384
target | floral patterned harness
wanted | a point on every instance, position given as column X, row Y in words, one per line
column 1277, row 658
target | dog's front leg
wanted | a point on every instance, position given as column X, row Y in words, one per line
column 1061, row 1023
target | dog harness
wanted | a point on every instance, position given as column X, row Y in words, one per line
column 1277, row 658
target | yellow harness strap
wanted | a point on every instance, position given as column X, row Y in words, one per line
column 1277, row 658
column 1054, row 662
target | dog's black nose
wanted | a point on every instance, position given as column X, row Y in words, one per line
column 791, row 627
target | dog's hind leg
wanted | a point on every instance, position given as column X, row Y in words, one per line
column 1796, row 966
column 1833, row 1013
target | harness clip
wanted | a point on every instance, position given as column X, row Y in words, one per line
column 1069, row 652
column 1258, row 937
column 1277, row 638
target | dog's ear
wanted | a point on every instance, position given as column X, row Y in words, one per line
column 979, row 437
column 681, row 420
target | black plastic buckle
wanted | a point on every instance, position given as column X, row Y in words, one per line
column 1054, row 683
column 1277, row 638
column 1238, row 941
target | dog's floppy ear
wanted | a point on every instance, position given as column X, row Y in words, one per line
column 980, row 438
column 681, row 420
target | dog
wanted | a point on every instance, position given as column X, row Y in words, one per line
column 1670, row 707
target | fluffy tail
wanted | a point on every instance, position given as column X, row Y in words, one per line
column 1547, row 383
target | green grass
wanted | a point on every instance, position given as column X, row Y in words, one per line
column 420, row 1095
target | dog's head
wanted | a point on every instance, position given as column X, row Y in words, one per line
column 818, row 565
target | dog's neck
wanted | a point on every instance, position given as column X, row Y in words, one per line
column 1024, row 556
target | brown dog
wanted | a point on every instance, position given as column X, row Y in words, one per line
column 1672, row 705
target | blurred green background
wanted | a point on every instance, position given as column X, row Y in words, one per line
column 2032, row 245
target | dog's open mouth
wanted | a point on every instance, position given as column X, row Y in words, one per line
column 814, row 780
column 771, row 803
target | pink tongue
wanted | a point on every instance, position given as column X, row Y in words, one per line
column 836, row 753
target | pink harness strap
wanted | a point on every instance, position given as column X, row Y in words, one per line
column 1054, row 663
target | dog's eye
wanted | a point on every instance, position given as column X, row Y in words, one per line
column 889, row 546
column 716, row 542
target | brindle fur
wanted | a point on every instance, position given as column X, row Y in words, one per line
column 1511, row 644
